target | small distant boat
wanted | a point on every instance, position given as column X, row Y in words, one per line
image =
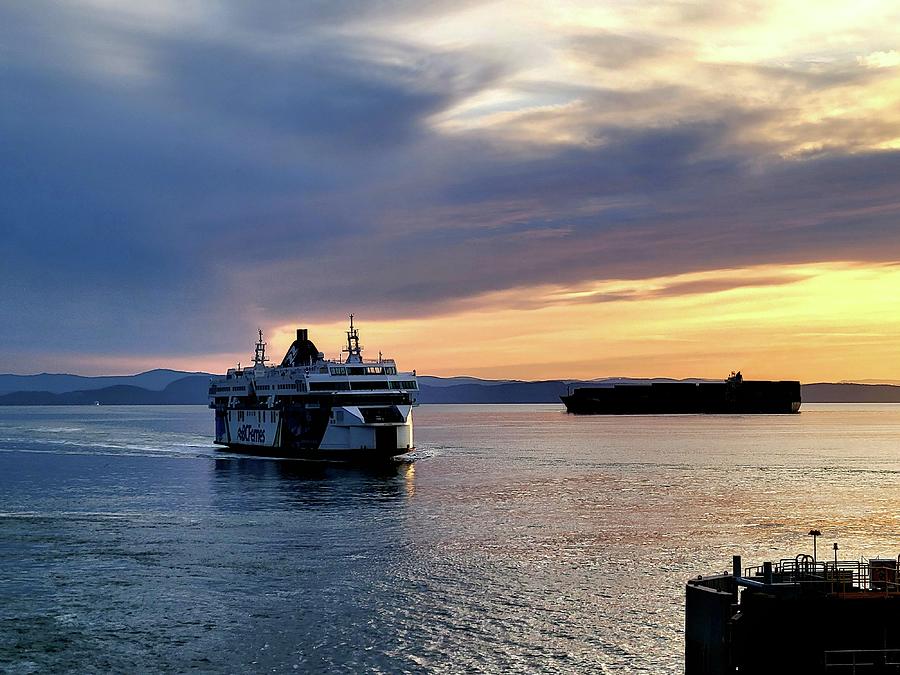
column 733, row 396
column 96, row 402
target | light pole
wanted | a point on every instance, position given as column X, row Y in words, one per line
column 814, row 534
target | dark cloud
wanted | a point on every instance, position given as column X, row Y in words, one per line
column 720, row 284
column 291, row 16
column 676, row 215
column 716, row 284
column 333, row 97
column 128, row 203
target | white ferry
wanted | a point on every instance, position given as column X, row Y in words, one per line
column 310, row 406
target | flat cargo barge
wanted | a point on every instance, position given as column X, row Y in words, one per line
column 733, row 396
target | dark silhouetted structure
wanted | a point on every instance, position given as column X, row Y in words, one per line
column 795, row 616
column 733, row 396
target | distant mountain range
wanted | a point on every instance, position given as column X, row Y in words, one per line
column 846, row 392
column 154, row 380
column 188, row 390
column 173, row 387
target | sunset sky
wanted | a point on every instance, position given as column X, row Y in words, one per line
column 499, row 189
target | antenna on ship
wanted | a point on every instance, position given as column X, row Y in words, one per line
column 259, row 358
column 353, row 349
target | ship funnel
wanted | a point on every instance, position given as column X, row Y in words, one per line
column 302, row 352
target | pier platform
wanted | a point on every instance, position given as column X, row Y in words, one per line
column 796, row 615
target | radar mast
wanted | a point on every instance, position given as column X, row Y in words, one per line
column 353, row 350
column 259, row 358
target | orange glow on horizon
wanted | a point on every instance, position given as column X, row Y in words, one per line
column 817, row 322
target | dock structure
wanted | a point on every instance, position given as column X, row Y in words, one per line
column 797, row 615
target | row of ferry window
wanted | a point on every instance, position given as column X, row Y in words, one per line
column 341, row 370
column 283, row 373
column 261, row 387
column 329, row 386
column 361, row 386
column 364, row 370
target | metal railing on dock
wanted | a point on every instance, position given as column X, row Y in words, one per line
column 862, row 661
column 830, row 576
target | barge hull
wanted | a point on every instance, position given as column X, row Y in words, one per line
column 750, row 397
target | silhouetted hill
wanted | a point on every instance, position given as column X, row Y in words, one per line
column 510, row 392
column 192, row 389
column 60, row 383
column 434, row 381
column 550, row 391
column 187, row 390
column 118, row 394
column 824, row 392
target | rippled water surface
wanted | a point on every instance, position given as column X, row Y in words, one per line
column 516, row 539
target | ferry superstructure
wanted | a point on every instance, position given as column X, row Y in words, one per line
column 310, row 406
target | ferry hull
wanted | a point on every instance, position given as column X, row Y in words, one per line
column 321, row 431
column 350, row 455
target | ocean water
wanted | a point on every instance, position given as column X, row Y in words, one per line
column 515, row 539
